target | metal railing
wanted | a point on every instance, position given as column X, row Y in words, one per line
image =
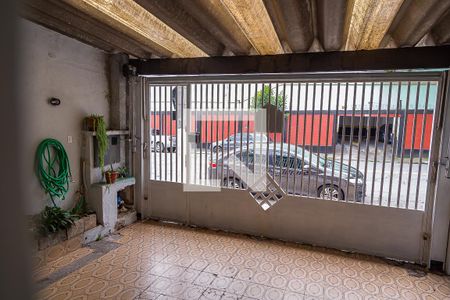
column 363, row 139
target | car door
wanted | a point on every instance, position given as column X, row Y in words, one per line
column 291, row 174
column 230, row 143
column 280, row 170
column 238, row 138
column 305, row 181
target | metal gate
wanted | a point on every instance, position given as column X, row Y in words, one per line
column 342, row 161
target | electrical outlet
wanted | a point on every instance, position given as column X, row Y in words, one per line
column 69, row 139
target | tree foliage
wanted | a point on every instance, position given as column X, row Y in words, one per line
column 268, row 94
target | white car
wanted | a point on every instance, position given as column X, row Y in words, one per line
column 161, row 142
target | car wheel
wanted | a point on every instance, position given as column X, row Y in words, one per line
column 332, row 192
column 232, row 183
column 217, row 149
column 159, row 147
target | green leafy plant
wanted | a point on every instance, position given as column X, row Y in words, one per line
column 80, row 209
column 123, row 171
column 102, row 139
column 268, row 95
column 54, row 218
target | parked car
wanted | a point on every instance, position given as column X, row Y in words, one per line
column 161, row 142
column 314, row 176
column 234, row 141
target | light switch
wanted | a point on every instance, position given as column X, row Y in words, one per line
column 69, row 139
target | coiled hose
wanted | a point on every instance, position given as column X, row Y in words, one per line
column 53, row 168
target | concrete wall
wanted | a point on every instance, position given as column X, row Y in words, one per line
column 54, row 65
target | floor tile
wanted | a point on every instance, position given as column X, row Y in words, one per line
column 160, row 261
column 212, row 294
column 204, row 279
column 255, row 290
column 237, row 287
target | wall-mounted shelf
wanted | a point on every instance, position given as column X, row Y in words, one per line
column 108, row 132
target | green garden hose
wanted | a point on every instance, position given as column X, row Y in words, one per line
column 53, row 168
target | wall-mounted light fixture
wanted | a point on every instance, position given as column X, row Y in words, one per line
column 54, row 101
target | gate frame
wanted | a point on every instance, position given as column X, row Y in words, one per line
column 439, row 76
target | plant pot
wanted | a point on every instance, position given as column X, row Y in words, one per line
column 111, row 177
column 90, row 123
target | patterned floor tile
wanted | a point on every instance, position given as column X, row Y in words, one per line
column 160, row 261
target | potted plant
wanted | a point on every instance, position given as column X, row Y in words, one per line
column 123, row 172
column 111, row 175
column 90, row 122
column 54, row 218
column 97, row 123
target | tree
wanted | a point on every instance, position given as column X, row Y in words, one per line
column 262, row 98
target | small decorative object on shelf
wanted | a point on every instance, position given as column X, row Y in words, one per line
column 111, row 175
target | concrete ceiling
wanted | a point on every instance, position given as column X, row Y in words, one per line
column 200, row 28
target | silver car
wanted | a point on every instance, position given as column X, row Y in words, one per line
column 234, row 141
column 314, row 176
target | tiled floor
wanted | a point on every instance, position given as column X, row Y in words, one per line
column 158, row 261
column 51, row 267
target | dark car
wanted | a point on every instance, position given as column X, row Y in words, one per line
column 314, row 176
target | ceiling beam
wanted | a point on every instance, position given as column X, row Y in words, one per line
column 369, row 22
column 339, row 61
column 173, row 14
column 331, row 23
column 215, row 18
column 34, row 15
column 254, row 21
column 441, row 31
column 416, row 19
column 292, row 22
column 132, row 19
column 65, row 19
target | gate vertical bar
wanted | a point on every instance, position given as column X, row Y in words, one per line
column 386, row 129
column 223, row 134
column 206, row 132
column 368, row 140
column 394, row 143
column 320, row 138
column 311, row 139
column 327, row 137
column 289, row 165
column 336, row 116
column 377, row 133
column 160, row 132
column 424, row 123
column 343, row 136
column 360, row 125
column 405, row 120
column 304, row 139
column 411, row 152
column 355, row 88
column 296, row 142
